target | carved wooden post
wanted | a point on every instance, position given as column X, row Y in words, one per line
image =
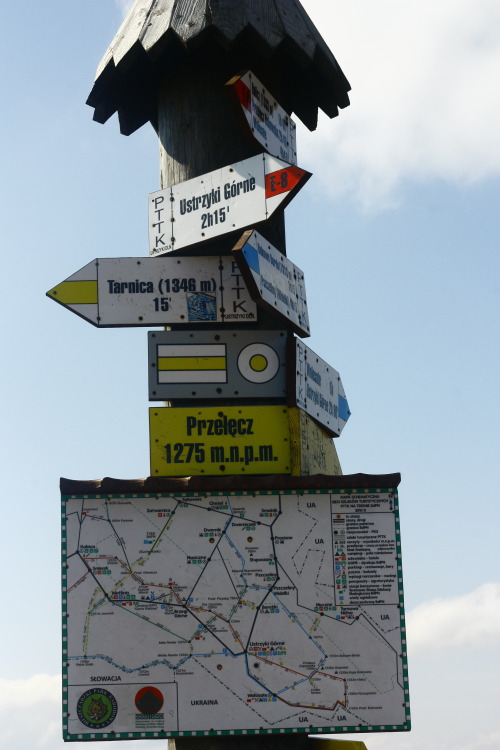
column 254, row 593
column 169, row 64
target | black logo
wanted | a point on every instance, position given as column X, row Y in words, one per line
column 149, row 700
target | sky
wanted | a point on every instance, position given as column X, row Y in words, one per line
column 397, row 234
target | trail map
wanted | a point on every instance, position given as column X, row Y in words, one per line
column 247, row 612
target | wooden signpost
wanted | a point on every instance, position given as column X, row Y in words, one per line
column 234, row 577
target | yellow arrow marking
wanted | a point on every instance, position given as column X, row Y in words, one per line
column 75, row 293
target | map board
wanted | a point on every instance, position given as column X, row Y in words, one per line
column 255, row 611
column 225, row 200
column 114, row 292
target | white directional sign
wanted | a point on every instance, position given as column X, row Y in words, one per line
column 225, row 200
column 223, row 364
column 113, row 292
column 318, row 388
column 273, row 281
column 220, row 612
column 271, row 126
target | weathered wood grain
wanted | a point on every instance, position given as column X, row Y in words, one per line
column 160, row 20
column 297, row 28
column 190, row 18
column 129, row 32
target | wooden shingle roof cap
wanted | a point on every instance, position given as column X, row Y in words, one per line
column 275, row 39
column 230, row 483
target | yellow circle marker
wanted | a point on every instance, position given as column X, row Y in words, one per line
column 258, row 363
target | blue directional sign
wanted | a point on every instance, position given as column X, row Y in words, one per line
column 317, row 387
column 274, row 282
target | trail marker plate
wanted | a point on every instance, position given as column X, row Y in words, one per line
column 222, row 201
column 217, row 365
column 114, row 292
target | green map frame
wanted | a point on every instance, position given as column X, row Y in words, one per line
column 186, row 499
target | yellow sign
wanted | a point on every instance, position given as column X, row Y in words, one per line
column 239, row 440
column 313, row 450
column 214, row 441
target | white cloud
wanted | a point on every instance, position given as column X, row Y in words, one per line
column 469, row 621
column 29, row 711
column 423, row 103
column 489, row 741
column 24, row 693
column 446, row 738
column 30, row 716
column 124, row 6
column 453, row 668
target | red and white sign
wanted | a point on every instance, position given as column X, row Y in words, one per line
column 271, row 126
column 225, row 200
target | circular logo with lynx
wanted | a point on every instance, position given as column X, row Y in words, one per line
column 96, row 708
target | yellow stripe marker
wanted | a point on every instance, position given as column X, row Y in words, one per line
column 75, row 293
column 191, row 363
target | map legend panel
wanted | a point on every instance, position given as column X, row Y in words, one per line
column 364, row 552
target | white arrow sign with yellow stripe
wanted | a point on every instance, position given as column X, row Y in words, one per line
column 113, row 292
